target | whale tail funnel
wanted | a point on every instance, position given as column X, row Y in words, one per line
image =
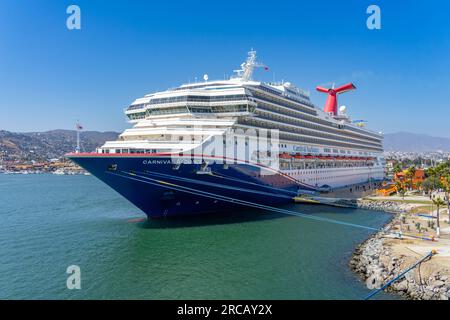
column 331, row 103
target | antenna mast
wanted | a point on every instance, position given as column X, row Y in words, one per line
column 247, row 68
column 79, row 128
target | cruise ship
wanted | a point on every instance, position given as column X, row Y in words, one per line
column 220, row 145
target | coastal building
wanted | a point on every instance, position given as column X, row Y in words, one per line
column 413, row 181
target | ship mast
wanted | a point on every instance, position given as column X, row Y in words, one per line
column 247, row 67
column 79, row 128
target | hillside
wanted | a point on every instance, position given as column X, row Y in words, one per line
column 49, row 144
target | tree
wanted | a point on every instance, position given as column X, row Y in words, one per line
column 419, row 185
column 438, row 202
column 410, row 173
column 430, row 172
column 441, row 169
column 431, row 183
column 446, row 186
column 400, row 189
column 397, row 168
column 407, row 184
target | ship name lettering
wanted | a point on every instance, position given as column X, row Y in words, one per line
column 156, row 161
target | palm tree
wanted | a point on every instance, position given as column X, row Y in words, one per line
column 419, row 185
column 410, row 173
column 397, row 168
column 446, row 187
column 407, row 184
column 438, row 202
column 400, row 189
column 431, row 183
column 441, row 169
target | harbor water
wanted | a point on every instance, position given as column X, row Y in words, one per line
column 49, row 222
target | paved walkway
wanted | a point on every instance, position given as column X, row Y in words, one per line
column 352, row 192
column 397, row 198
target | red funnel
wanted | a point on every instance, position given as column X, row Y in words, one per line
column 331, row 103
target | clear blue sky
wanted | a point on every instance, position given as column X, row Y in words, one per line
column 51, row 76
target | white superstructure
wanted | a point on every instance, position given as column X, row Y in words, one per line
column 316, row 148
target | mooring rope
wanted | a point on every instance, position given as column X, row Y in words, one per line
column 222, row 176
column 213, row 184
column 169, row 185
column 370, row 295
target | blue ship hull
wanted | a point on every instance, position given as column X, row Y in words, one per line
column 160, row 187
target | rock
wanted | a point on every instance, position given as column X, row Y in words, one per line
column 438, row 284
column 427, row 295
column 401, row 286
column 373, row 282
column 409, row 277
column 413, row 294
column 375, row 262
column 443, row 297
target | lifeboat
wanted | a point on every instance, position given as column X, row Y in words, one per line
column 285, row 155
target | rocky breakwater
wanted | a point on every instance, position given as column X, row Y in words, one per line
column 386, row 206
column 377, row 263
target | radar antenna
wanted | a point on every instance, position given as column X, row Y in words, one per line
column 247, row 67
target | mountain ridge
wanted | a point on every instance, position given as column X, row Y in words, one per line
column 415, row 142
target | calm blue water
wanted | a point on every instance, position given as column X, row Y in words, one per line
column 49, row 222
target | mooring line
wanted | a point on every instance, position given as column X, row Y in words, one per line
column 222, row 176
column 374, row 292
column 212, row 184
column 169, row 185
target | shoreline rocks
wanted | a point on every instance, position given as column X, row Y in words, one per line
column 376, row 263
column 385, row 206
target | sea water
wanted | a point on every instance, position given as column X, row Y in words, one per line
column 50, row 222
